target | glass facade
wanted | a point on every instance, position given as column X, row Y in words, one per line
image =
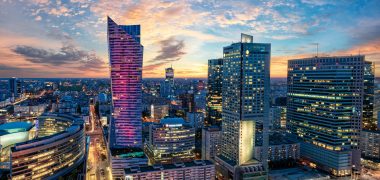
column 214, row 92
column 369, row 121
column 53, row 156
column 245, row 98
column 171, row 141
column 126, row 58
column 167, row 87
column 324, row 110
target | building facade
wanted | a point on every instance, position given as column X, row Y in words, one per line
column 369, row 121
column 52, row 156
column 167, row 87
column 126, row 58
column 324, row 110
column 188, row 170
column 211, row 142
column 172, row 140
column 214, row 92
column 245, row 99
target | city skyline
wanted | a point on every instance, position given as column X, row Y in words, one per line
column 67, row 38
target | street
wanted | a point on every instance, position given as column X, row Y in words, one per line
column 97, row 164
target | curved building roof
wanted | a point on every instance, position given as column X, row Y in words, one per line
column 14, row 127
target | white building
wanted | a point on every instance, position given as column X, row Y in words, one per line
column 210, row 142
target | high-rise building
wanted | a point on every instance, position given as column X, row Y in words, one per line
column 369, row 122
column 167, row 87
column 170, row 141
column 245, row 97
column 211, row 142
column 15, row 87
column 195, row 119
column 324, row 110
column 214, row 92
column 126, row 58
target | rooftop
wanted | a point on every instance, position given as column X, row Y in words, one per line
column 131, row 152
column 159, row 167
column 14, row 127
column 172, row 121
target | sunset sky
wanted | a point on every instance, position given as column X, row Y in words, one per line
column 67, row 38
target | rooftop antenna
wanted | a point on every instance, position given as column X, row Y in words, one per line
column 317, row 47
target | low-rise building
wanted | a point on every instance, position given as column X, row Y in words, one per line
column 210, row 142
column 171, row 140
column 198, row 169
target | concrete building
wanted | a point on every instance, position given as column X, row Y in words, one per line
column 370, row 144
column 245, row 97
column 214, row 92
column 280, row 148
column 172, row 140
column 189, row 170
column 324, row 108
column 211, row 142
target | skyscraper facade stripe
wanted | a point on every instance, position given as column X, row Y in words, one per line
column 126, row 58
column 214, row 92
column 325, row 109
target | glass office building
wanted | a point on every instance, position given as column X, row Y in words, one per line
column 214, row 92
column 324, row 110
column 126, row 58
column 167, row 87
column 245, row 102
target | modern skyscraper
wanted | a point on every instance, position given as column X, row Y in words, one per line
column 369, row 121
column 126, row 58
column 324, row 110
column 214, row 92
column 245, row 97
column 15, row 87
column 167, row 87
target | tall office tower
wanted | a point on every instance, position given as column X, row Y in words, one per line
column 369, row 122
column 214, row 92
column 167, row 87
column 126, row 58
column 324, row 110
column 245, row 97
column 15, row 87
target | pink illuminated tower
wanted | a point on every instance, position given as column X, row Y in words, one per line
column 126, row 58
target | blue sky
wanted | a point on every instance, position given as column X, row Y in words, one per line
column 67, row 38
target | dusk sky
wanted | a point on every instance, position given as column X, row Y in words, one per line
column 67, row 38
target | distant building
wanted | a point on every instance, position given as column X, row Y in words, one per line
column 167, row 87
column 102, row 98
column 172, row 140
column 67, row 105
column 245, row 97
column 370, row 144
column 4, row 94
column 200, row 101
column 196, row 119
column 369, row 122
column 211, row 142
column 189, row 170
column 15, row 87
column 275, row 117
column 158, row 111
column 214, row 91
column 324, row 110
